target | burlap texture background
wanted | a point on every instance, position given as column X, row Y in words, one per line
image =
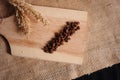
column 103, row 44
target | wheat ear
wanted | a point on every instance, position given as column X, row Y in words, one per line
column 23, row 11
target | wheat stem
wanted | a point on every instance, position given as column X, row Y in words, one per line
column 23, row 11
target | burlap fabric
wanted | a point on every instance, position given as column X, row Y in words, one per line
column 103, row 48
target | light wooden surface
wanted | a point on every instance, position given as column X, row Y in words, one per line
column 32, row 44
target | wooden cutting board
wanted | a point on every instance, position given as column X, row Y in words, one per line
column 30, row 46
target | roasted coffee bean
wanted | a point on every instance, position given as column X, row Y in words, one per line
column 73, row 25
column 61, row 37
column 66, row 39
column 56, row 34
column 76, row 23
column 45, row 49
column 78, row 27
column 50, row 51
column 68, row 23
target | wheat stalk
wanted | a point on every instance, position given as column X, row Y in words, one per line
column 23, row 22
column 23, row 11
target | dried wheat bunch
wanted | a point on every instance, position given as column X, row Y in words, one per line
column 23, row 22
column 23, row 13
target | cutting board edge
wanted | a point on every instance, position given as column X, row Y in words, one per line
column 37, row 53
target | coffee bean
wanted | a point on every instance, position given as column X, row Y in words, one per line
column 61, row 37
column 78, row 27
column 68, row 23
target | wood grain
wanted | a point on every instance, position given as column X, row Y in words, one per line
column 30, row 46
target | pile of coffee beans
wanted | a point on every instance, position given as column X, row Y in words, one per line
column 63, row 36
